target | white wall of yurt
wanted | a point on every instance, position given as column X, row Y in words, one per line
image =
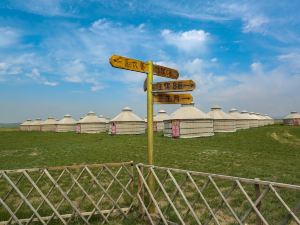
column 293, row 119
column 127, row 122
column 49, row 124
column 188, row 122
column 66, row 124
column 158, row 120
column 35, row 125
column 241, row 121
column 91, row 123
column 223, row 122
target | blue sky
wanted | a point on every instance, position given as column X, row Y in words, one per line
column 54, row 54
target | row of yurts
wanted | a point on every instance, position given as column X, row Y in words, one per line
column 186, row 122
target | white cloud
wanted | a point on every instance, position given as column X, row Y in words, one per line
column 8, row 37
column 188, row 41
column 255, row 24
column 257, row 68
column 36, row 75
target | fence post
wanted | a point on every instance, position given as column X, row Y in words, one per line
column 141, row 190
column 257, row 194
column 132, row 179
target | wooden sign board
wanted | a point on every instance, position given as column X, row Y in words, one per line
column 174, row 86
column 139, row 66
column 162, row 98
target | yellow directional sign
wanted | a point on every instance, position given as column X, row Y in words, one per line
column 139, row 66
column 128, row 64
column 172, row 98
column 174, row 86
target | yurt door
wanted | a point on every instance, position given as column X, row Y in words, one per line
column 113, row 128
column 78, row 128
column 175, row 128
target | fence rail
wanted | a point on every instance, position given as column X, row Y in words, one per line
column 189, row 197
column 81, row 193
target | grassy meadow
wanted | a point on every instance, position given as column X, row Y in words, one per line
column 269, row 153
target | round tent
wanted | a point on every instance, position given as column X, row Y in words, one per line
column 293, row 119
column 269, row 119
column 158, row 124
column 188, row 122
column 91, row 123
column 36, row 125
column 247, row 117
column 66, row 124
column 126, row 122
column 223, row 122
column 254, row 120
column 25, row 125
column 261, row 120
column 241, row 121
column 49, row 124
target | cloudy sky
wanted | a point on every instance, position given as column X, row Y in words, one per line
column 54, row 54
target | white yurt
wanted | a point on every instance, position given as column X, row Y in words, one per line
column 261, row 120
column 247, row 116
column 293, row 119
column 241, row 121
column 25, row 125
column 91, row 123
column 269, row 119
column 49, row 124
column 35, row 125
column 66, row 124
column 126, row 122
column 188, row 122
column 223, row 122
column 254, row 120
column 158, row 120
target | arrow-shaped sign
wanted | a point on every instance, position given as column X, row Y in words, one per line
column 162, row 98
column 142, row 67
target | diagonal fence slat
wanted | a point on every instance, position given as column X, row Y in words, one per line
column 66, row 194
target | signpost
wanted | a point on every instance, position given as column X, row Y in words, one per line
column 155, row 95
column 172, row 98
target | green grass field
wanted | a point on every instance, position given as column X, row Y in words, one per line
column 269, row 153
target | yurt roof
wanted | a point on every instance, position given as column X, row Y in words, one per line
column 161, row 116
column 26, row 122
column 91, row 117
column 216, row 113
column 260, row 116
column 105, row 119
column 127, row 115
column 188, row 112
column 268, row 117
column 50, row 121
column 293, row 115
column 254, row 116
column 67, row 120
column 246, row 115
column 37, row 122
column 235, row 114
